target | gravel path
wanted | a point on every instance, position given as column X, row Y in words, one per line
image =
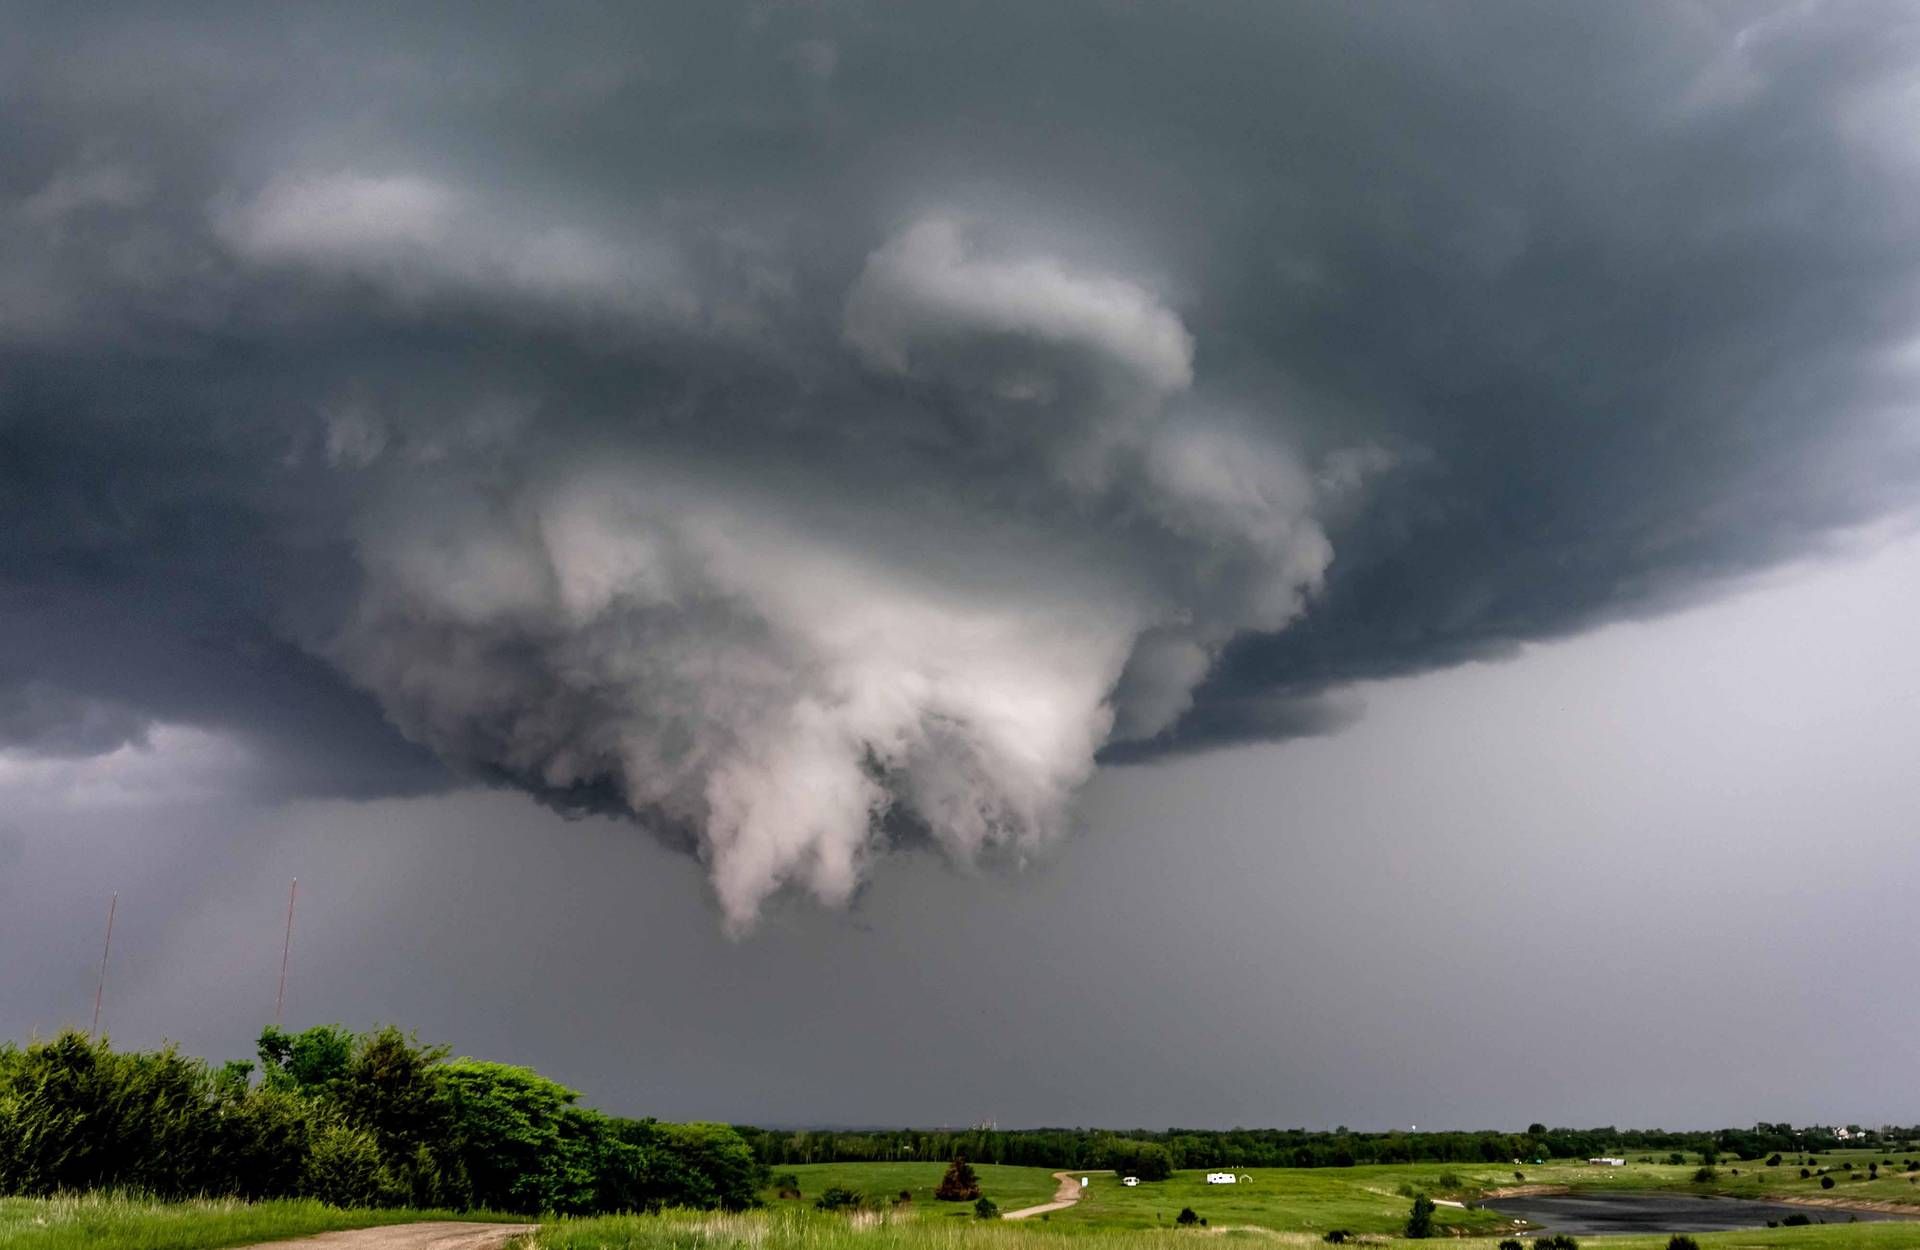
column 1065, row 1196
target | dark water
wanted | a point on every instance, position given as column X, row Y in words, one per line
column 1599, row 1213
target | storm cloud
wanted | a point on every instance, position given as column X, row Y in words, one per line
column 807, row 428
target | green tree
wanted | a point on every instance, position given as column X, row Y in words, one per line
column 1420, row 1219
column 986, row 1208
column 1186, row 1218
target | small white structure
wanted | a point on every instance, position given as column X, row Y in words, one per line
column 1222, row 1178
column 1130, row 1181
column 1608, row 1161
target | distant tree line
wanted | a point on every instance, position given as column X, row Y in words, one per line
column 1285, row 1148
column 354, row 1119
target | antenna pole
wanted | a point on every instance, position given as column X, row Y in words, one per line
column 280, row 1000
column 100, row 991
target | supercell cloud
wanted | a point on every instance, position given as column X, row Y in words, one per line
column 809, row 428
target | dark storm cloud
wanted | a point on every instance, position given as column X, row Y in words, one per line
column 788, row 418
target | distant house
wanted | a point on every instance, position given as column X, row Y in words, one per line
column 1607, row 1161
column 1130, row 1181
column 1221, row 1178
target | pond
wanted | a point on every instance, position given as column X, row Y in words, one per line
column 1597, row 1213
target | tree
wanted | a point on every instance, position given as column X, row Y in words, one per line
column 1826, row 1182
column 1420, row 1219
column 959, row 1184
column 1773, row 1160
column 1705, row 1174
column 1186, row 1218
column 986, row 1208
column 1680, row 1241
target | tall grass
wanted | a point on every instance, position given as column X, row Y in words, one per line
column 894, row 1230
column 102, row 1221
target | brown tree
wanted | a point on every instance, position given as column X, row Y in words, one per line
column 959, row 1184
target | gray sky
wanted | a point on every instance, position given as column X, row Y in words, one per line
column 1096, row 564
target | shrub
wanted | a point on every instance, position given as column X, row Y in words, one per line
column 1558, row 1241
column 959, row 1184
column 1805, row 1173
column 1676, row 1158
column 985, row 1208
column 1680, row 1241
column 786, row 1185
column 838, row 1197
column 1186, row 1218
column 1799, row 1219
column 1511, row 1243
column 344, row 1169
column 1705, row 1174
column 1448, row 1180
column 1826, row 1182
column 1336, row 1237
column 1420, row 1219
column 1773, row 1160
column 1519, row 1176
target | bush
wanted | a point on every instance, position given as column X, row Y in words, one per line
column 1186, row 1218
column 344, row 1168
column 1680, row 1241
column 1511, row 1243
column 959, row 1184
column 1420, row 1219
column 1336, row 1237
column 1806, row 1173
column 1519, row 1176
column 786, row 1185
column 837, row 1197
column 1676, row 1158
column 1826, row 1182
column 1559, row 1241
column 1773, row 1160
column 986, row 1209
column 1798, row 1219
column 1448, row 1180
column 1705, row 1174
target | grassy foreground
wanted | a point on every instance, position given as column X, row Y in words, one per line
column 112, row 1222
column 792, row 1229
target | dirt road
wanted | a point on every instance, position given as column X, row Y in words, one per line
column 1065, row 1196
column 441, row 1236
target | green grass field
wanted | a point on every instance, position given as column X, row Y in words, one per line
column 111, row 1222
column 804, row 1229
column 1011, row 1187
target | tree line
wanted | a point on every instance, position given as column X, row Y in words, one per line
column 1279, row 1148
column 354, row 1119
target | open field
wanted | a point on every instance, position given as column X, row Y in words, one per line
column 808, row 1230
column 111, row 1222
column 1011, row 1187
column 1366, row 1199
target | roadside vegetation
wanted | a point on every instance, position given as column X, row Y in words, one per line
column 351, row 1120
column 115, row 1222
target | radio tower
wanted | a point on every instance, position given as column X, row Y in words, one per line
column 280, row 999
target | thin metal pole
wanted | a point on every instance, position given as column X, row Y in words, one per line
column 100, row 991
column 280, row 1000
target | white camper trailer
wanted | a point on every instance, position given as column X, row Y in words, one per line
column 1130, row 1181
column 1221, row 1178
